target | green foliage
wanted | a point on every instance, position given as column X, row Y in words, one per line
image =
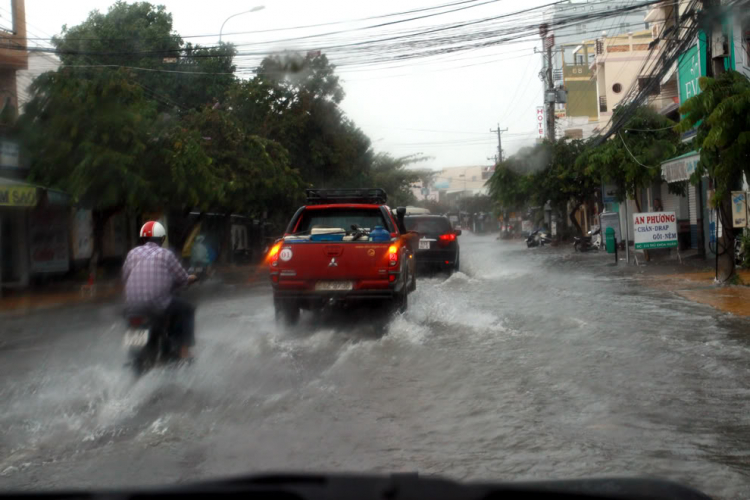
column 510, row 186
column 477, row 203
column 141, row 35
column 90, row 137
column 392, row 175
column 115, row 137
column 631, row 159
column 722, row 113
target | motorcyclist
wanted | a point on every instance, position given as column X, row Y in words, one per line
column 151, row 274
column 199, row 256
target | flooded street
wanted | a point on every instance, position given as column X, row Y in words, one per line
column 529, row 364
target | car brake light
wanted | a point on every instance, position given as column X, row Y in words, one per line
column 392, row 255
column 445, row 239
column 136, row 321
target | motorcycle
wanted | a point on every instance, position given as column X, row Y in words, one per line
column 586, row 243
column 537, row 238
column 148, row 343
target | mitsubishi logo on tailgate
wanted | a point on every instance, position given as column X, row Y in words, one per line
column 333, row 262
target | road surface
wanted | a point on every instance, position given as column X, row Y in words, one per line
column 529, row 364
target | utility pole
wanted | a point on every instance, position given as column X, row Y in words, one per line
column 716, row 52
column 549, row 96
column 499, row 141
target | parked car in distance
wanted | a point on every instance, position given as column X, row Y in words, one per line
column 438, row 243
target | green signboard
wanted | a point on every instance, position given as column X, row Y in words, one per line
column 690, row 67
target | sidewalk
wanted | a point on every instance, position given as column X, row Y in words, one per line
column 698, row 285
column 72, row 292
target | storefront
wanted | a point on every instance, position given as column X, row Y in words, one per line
column 690, row 207
column 33, row 232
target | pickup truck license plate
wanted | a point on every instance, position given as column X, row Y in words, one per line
column 334, row 286
column 424, row 245
column 135, row 338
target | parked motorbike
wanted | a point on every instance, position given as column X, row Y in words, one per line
column 586, row 243
column 537, row 238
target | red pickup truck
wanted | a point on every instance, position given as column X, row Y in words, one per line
column 344, row 246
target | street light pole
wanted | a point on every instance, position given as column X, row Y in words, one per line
column 254, row 9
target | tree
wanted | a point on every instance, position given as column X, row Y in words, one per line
column 392, row 175
column 89, row 137
column 294, row 101
column 631, row 159
column 140, row 35
column 722, row 114
column 509, row 185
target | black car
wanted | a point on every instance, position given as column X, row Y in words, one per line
column 438, row 242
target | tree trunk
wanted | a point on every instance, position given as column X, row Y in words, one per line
column 638, row 208
column 572, row 217
column 225, row 255
column 101, row 217
column 725, row 245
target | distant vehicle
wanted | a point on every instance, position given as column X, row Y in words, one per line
column 417, row 211
column 438, row 242
column 344, row 246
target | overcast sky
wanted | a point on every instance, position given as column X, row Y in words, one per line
column 443, row 107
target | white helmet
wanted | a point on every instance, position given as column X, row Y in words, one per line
column 153, row 229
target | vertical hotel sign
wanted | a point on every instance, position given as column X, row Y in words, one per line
column 540, row 121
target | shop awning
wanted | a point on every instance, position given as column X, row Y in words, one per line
column 15, row 193
column 680, row 168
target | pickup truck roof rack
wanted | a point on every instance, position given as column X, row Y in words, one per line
column 375, row 196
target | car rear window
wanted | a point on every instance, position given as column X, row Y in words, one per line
column 341, row 218
column 428, row 225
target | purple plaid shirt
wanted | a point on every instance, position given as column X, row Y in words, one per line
column 150, row 274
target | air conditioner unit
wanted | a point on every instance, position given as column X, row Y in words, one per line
column 719, row 45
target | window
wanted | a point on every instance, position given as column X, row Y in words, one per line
column 580, row 28
column 428, row 225
column 746, row 45
column 616, row 88
column 579, row 59
column 341, row 218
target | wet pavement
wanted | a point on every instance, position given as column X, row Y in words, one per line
column 529, row 364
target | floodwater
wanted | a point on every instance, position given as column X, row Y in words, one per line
column 528, row 364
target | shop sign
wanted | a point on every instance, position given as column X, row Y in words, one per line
column 739, row 209
column 48, row 237
column 655, row 230
column 9, row 154
column 609, row 193
column 18, row 196
column 82, row 234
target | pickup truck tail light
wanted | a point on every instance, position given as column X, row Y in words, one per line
column 446, row 239
column 273, row 254
column 392, row 255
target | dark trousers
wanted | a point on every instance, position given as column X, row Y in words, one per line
column 181, row 316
